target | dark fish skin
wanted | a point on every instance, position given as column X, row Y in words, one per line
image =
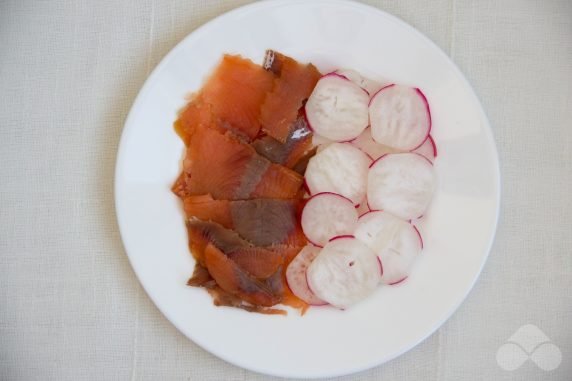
column 264, row 222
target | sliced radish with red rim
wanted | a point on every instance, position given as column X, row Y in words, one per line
column 296, row 275
column 396, row 242
column 400, row 117
column 345, row 272
column 339, row 168
column 402, row 184
column 327, row 215
column 337, row 108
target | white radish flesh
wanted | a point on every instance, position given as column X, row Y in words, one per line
column 327, row 215
column 400, row 117
column 396, row 242
column 427, row 149
column 339, row 168
column 402, row 184
column 345, row 272
column 337, row 108
column 296, row 275
column 372, row 148
column 365, row 83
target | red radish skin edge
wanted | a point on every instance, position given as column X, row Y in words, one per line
column 378, row 91
column 418, row 90
column 370, row 211
column 332, row 193
column 379, row 158
column 419, row 235
column 336, row 74
column 341, row 237
column 399, row 281
column 433, row 145
column 307, row 120
column 312, row 291
column 314, row 243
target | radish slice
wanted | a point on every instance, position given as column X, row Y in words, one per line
column 327, row 215
column 345, row 272
column 296, row 275
column 427, row 149
column 339, row 168
column 337, row 108
column 372, row 148
column 402, row 184
column 396, row 242
column 400, row 117
column 365, row 83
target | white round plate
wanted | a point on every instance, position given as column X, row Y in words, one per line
column 458, row 229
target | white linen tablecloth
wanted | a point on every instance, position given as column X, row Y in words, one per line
column 70, row 305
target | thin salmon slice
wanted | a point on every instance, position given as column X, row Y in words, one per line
column 298, row 144
column 259, row 262
column 229, row 169
column 263, row 222
column 293, row 86
column 235, row 92
column 234, row 280
column 202, row 278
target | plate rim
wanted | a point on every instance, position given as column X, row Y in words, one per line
column 197, row 33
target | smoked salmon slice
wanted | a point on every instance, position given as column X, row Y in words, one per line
column 235, row 92
column 293, row 85
column 263, row 222
column 241, row 183
column 298, row 145
column 232, row 170
column 234, row 280
column 260, row 262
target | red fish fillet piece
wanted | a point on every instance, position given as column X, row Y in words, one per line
column 259, row 262
column 235, row 92
column 298, row 144
column 263, row 222
column 229, row 169
column 234, row 280
column 202, row 278
column 293, row 86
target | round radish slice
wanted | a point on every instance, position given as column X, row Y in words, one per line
column 396, row 242
column 427, row 149
column 371, row 148
column 402, row 184
column 365, row 83
column 345, row 272
column 339, row 168
column 337, row 108
column 327, row 215
column 400, row 117
column 296, row 275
